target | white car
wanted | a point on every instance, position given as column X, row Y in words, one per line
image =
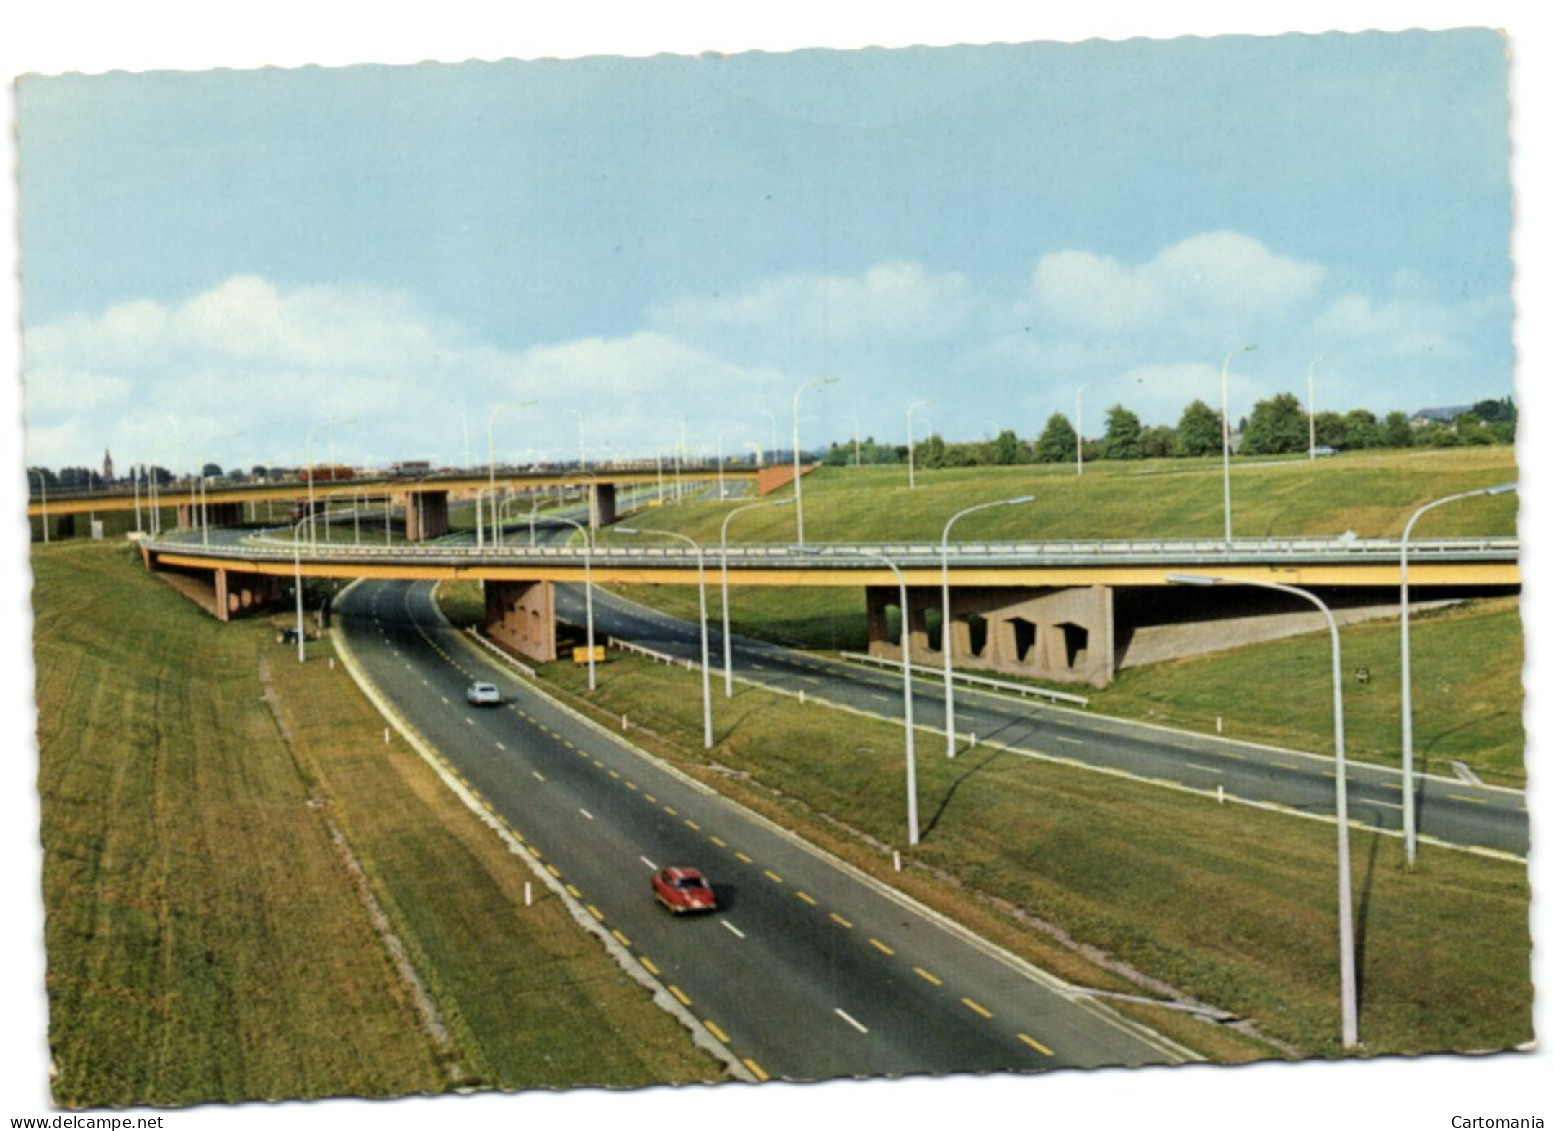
column 483, row 694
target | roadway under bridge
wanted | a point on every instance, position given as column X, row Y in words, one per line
column 1067, row 612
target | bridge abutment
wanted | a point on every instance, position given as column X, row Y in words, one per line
column 1064, row 635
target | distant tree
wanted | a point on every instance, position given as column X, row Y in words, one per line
column 50, row 480
column 1198, row 432
column 1159, row 441
column 259, row 471
column 1435, row 434
column 1277, row 425
column 1396, row 432
column 1006, row 449
column 1361, row 429
column 1122, row 438
column 211, row 471
column 1056, row 444
column 1329, row 429
column 1471, row 430
column 1501, row 411
column 930, row 453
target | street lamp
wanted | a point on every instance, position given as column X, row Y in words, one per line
column 302, row 655
column 1311, row 413
column 1079, row 431
column 798, row 478
column 1407, row 709
column 856, row 460
column 944, row 624
column 1347, row 1007
column 707, row 694
column 906, row 646
column 1225, row 432
column 491, row 468
column 588, row 590
column 723, row 560
column 912, row 478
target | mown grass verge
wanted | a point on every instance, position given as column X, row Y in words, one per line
column 1231, row 906
column 205, row 938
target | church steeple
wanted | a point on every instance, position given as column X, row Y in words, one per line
column 107, row 467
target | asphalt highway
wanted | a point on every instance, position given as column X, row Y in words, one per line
column 808, row 970
column 1448, row 811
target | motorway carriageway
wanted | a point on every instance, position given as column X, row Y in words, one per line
column 1448, row 812
column 808, row 970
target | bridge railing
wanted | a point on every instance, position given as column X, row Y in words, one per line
column 272, row 546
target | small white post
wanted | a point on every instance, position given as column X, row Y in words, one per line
column 386, row 736
column 1220, row 794
column 896, row 858
column 1219, row 725
column 528, row 894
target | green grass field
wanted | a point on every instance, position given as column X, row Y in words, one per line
column 205, row 937
column 1371, row 494
column 1232, row 905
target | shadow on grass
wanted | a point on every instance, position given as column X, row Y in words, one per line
column 981, row 764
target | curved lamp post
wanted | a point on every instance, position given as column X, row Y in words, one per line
column 1347, row 1008
column 491, row 470
column 588, row 590
column 707, row 694
column 912, row 472
column 944, row 624
column 798, row 478
column 1225, row 431
column 1403, row 608
column 723, row 565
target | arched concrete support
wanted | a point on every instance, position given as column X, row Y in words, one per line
column 521, row 617
column 602, row 505
column 426, row 515
column 1063, row 635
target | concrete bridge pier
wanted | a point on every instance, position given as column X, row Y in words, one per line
column 602, row 505
column 426, row 515
column 521, row 618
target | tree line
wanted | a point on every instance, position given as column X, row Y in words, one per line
column 1276, row 426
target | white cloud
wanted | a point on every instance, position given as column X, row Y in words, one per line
column 889, row 303
column 1398, row 328
column 1216, row 281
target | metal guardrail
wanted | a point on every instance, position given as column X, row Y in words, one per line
column 1003, row 685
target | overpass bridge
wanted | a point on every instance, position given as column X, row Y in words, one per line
column 1057, row 610
column 423, row 501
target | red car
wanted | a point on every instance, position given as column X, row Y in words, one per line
column 684, row 889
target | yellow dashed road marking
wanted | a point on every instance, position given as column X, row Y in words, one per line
column 881, row 947
column 926, row 976
column 1036, row 1044
column 975, row 1008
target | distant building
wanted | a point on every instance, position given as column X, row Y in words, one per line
column 1438, row 415
column 107, row 467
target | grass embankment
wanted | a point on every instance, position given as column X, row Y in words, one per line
column 206, row 938
column 1231, row 905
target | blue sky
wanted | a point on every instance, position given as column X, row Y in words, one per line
column 215, row 263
